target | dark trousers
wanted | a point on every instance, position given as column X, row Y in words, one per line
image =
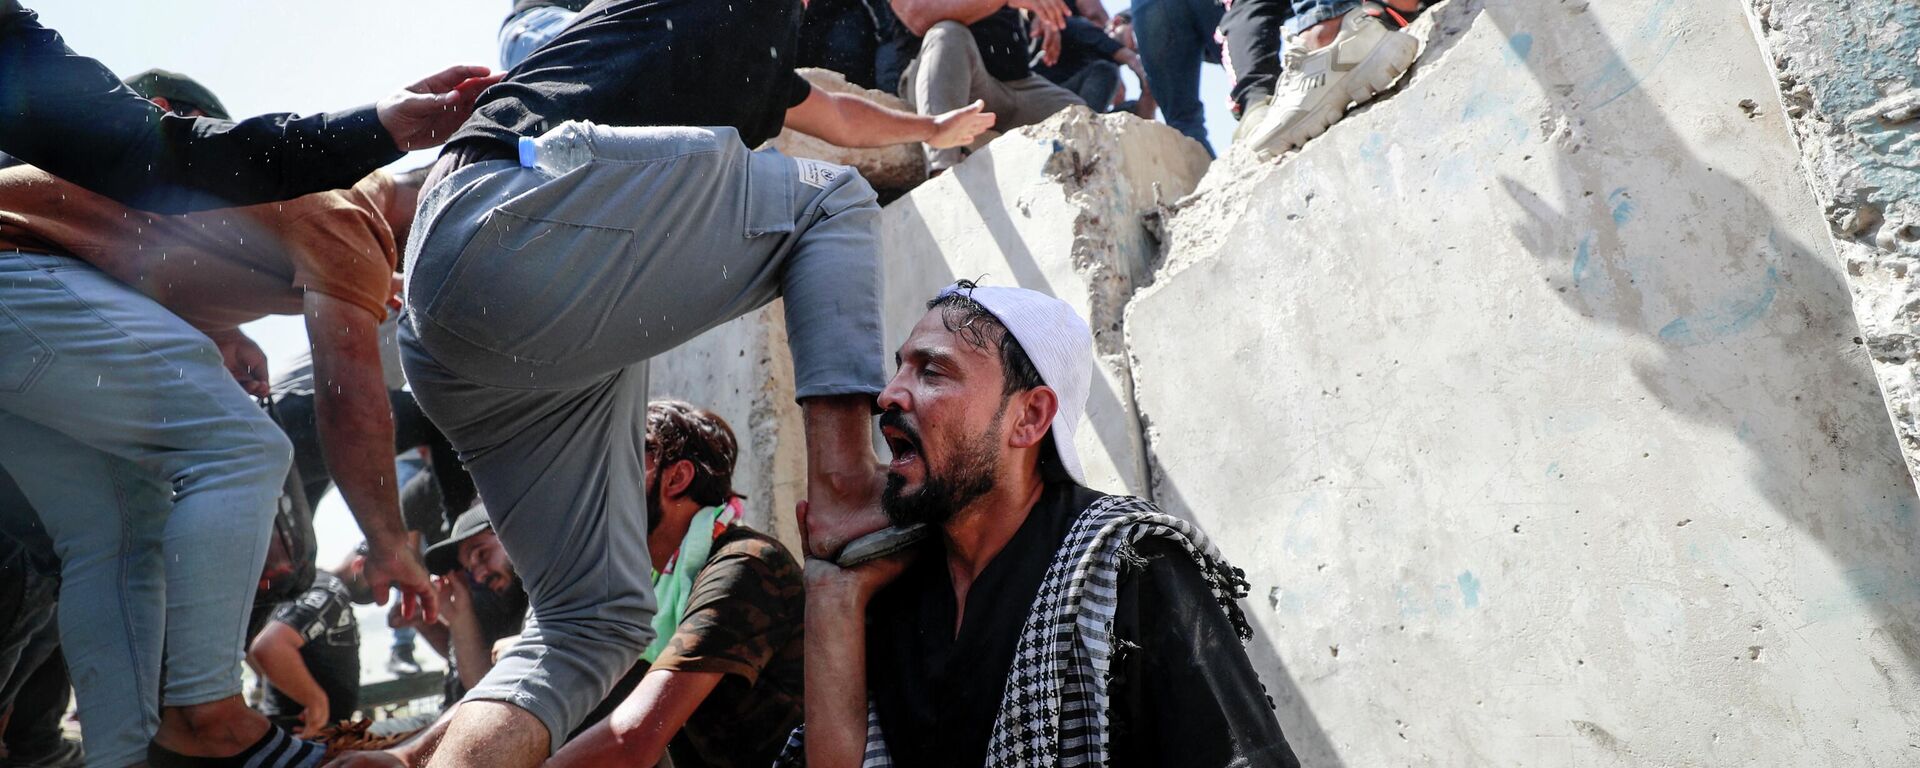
column 1253, row 29
column 844, row 36
column 411, row 429
column 1095, row 83
column 1175, row 37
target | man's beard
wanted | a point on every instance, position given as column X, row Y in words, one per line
column 656, row 507
column 967, row 476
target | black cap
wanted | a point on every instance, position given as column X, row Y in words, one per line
column 444, row 558
column 179, row 90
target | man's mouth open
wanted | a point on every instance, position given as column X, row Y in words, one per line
column 905, row 449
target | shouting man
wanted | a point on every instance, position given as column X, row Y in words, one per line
column 985, row 649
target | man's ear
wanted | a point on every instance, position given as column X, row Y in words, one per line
column 677, row 478
column 1032, row 413
column 162, row 103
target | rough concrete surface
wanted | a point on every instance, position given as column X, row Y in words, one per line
column 742, row 371
column 1849, row 78
column 891, row 170
column 1529, row 399
column 1060, row 206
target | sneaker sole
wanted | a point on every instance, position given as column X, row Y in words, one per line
column 1376, row 73
column 881, row 543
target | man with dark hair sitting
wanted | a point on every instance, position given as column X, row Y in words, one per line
column 721, row 683
column 988, row 647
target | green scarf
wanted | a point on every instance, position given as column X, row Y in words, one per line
column 673, row 585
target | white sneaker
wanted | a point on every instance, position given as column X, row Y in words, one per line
column 1317, row 87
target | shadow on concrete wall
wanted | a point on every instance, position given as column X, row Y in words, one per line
column 1780, row 298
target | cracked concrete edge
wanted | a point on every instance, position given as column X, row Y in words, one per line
column 1848, row 83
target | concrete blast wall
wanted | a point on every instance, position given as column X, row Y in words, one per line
column 1530, row 397
column 1532, row 400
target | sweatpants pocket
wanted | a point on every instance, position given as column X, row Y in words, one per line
column 536, row 289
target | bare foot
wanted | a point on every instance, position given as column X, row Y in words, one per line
column 215, row 729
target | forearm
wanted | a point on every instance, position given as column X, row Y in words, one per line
column 856, row 122
column 472, row 654
column 836, row 673
column 356, row 421
column 282, row 666
column 70, row 117
column 438, row 639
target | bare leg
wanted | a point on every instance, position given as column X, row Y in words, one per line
column 844, row 478
column 215, row 729
column 491, row 733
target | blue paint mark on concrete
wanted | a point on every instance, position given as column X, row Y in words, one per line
column 1581, row 256
column 1726, row 320
column 1469, row 590
column 1553, row 469
column 1621, row 204
column 1521, row 46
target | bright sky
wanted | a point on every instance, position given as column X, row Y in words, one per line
column 317, row 55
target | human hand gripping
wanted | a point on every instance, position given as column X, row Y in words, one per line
column 424, row 114
column 859, row 582
column 397, row 566
column 959, row 127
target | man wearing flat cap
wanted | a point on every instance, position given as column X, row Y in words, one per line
column 1051, row 623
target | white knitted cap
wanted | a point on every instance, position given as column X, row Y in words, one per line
column 1060, row 345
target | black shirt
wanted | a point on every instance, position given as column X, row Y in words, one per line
column 67, row 114
column 1001, row 38
column 324, row 618
column 1183, row 690
column 1081, row 43
column 653, row 62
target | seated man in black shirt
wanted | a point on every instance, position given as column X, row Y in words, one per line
column 974, row 652
column 966, row 50
column 309, row 651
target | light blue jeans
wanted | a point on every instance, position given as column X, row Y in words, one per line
column 527, row 30
column 156, row 478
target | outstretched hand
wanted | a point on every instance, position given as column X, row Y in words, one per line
column 959, row 127
column 424, row 114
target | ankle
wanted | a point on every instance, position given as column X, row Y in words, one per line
column 214, row 729
column 1322, row 34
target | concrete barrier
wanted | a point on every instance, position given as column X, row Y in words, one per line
column 1532, row 401
column 1061, row 207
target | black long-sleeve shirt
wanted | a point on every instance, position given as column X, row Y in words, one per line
column 68, row 115
column 1183, row 692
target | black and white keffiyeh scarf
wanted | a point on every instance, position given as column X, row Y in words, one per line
column 1054, row 711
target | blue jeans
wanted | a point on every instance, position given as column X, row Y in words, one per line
column 156, row 478
column 1307, row 13
column 527, row 30
column 1175, row 36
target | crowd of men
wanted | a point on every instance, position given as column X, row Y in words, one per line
column 477, row 393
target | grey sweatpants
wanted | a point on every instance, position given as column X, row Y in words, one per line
column 536, row 302
column 949, row 74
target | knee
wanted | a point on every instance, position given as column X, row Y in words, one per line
column 946, row 33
